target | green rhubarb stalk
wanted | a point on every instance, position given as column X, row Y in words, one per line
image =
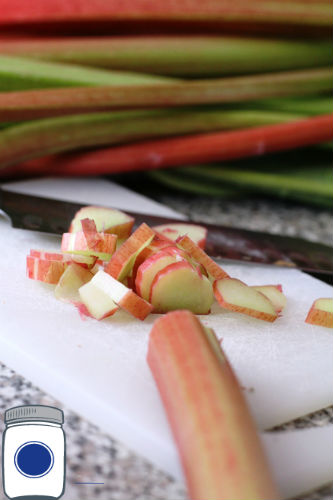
column 303, row 184
column 196, row 183
column 30, row 140
column 36, row 104
column 312, row 105
column 177, row 56
column 18, row 73
column 189, row 184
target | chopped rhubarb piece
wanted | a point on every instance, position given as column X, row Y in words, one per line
column 104, row 289
column 158, row 243
column 76, row 243
column 213, row 269
column 48, row 271
column 274, row 294
column 321, row 313
column 122, row 262
column 180, row 286
column 71, row 280
column 107, row 220
column 86, row 261
column 197, row 233
column 236, row 296
column 220, row 451
column 150, row 267
column 91, row 234
column 95, row 302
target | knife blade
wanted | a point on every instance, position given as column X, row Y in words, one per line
column 54, row 216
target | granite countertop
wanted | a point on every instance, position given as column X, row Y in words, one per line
column 96, row 457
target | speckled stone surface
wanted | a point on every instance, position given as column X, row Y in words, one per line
column 93, row 456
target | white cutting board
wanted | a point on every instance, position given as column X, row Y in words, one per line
column 99, row 368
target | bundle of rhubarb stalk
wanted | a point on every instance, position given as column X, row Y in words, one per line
column 97, row 87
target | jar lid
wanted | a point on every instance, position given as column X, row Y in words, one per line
column 34, row 413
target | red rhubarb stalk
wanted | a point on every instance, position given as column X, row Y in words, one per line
column 189, row 150
column 216, row 438
column 56, row 135
column 33, row 104
column 221, row 13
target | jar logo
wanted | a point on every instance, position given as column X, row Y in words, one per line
column 33, row 452
column 34, row 459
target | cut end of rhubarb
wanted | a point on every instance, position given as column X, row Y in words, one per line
column 100, row 245
column 236, row 296
column 122, row 262
column 103, row 293
column 180, row 286
column 274, row 294
column 71, row 280
column 198, row 234
column 107, row 220
column 321, row 313
column 213, row 269
column 48, row 271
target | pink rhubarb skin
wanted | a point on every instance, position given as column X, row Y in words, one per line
column 122, row 262
column 198, row 254
column 214, row 432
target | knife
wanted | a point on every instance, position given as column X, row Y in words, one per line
column 54, row 216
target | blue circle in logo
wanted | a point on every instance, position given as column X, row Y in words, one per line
column 34, row 459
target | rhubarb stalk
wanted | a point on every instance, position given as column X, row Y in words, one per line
column 219, row 448
column 80, row 15
column 43, row 137
column 17, row 73
column 177, row 56
column 40, row 103
column 189, row 150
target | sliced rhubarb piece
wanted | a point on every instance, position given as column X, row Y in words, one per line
column 180, row 286
column 123, row 260
column 91, row 234
column 71, row 280
column 213, row 269
column 87, row 261
column 76, row 243
column 150, row 267
column 321, row 313
column 48, row 271
column 104, row 289
column 96, row 303
column 274, row 294
column 107, row 220
column 158, row 243
column 197, row 233
column 236, row 296
column 220, row 451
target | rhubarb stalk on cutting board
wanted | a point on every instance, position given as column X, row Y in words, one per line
column 220, row 451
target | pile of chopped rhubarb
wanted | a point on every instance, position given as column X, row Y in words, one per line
column 103, row 266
